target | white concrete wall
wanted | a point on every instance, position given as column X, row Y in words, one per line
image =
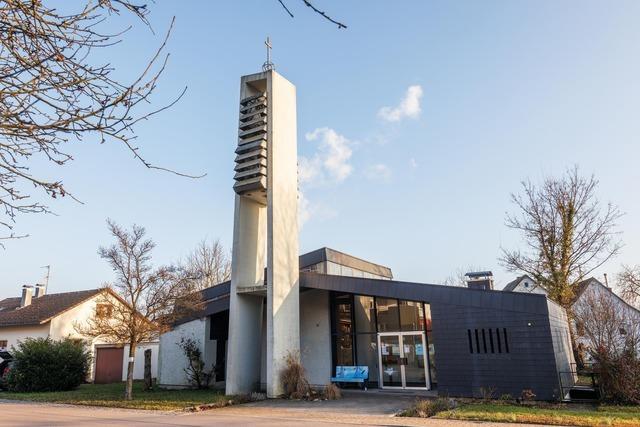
column 283, row 312
column 171, row 359
column 14, row 334
column 315, row 336
column 138, row 364
column 247, row 270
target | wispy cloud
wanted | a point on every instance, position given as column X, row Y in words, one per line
column 308, row 210
column 329, row 164
column 379, row 171
column 332, row 160
column 408, row 107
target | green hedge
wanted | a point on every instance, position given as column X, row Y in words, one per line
column 42, row 364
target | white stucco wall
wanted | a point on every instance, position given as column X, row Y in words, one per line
column 138, row 364
column 14, row 334
column 315, row 336
column 171, row 359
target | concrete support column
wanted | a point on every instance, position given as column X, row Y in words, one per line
column 245, row 311
column 266, row 223
column 283, row 313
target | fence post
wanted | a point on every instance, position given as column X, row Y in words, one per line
column 148, row 385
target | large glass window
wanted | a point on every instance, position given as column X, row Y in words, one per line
column 343, row 315
column 432, row 348
column 344, row 350
column 387, row 311
column 367, row 354
column 342, row 329
column 364, row 309
column 357, row 319
column 411, row 316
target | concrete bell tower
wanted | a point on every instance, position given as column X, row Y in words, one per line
column 265, row 233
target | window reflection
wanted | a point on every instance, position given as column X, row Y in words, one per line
column 387, row 310
column 411, row 316
column 365, row 314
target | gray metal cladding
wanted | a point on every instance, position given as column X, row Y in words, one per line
column 531, row 362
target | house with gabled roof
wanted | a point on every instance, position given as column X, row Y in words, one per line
column 36, row 314
column 524, row 284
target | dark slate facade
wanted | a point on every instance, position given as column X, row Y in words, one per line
column 536, row 331
column 535, row 355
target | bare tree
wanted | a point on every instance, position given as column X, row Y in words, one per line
column 609, row 331
column 150, row 299
column 54, row 90
column 459, row 277
column 629, row 284
column 207, row 265
column 566, row 230
column 314, row 9
column 604, row 323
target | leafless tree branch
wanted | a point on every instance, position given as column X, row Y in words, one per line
column 316, row 10
column 52, row 91
column 567, row 233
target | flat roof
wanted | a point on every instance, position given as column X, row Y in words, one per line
column 331, row 255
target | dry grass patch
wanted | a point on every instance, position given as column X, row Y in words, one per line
column 332, row 392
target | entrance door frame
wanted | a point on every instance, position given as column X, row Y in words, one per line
column 401, row 336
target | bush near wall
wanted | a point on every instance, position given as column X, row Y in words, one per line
column 619, row 376
column 42, row 364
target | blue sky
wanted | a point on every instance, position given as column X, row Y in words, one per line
column 494, row 92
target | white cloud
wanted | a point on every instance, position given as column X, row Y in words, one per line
column 413, row 163
column 378, row 171
column 308, row 210
column 408, row 107
column 304, row 213
column 331, row 162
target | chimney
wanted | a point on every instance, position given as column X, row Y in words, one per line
column 40, row 290
column 480, row 280
column 26, row 295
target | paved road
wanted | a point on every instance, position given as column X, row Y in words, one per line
column 20, row 414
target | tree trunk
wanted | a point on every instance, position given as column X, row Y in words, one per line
column 128, row 393
column 147, row 370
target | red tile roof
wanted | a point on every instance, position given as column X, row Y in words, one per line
column 41, row 309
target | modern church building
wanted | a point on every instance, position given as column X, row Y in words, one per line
column 334, row 309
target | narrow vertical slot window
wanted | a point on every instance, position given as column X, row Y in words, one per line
column 506, row 342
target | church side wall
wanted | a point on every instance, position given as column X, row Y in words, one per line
column 530, row 362
column 315, row 336
column 171, row 359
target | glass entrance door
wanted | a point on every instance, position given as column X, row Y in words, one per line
column 390, row 363
column 403, row 360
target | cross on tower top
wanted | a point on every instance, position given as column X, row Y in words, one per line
column 268, row 65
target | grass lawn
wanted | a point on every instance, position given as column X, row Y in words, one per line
column 111, row 395
column 553, row 415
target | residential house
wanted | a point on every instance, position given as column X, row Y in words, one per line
column 40, row 315
column 524, row 284
column 583, row 292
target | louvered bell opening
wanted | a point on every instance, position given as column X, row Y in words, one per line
column 251, row 160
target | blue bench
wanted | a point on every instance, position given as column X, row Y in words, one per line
column 352, row 374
